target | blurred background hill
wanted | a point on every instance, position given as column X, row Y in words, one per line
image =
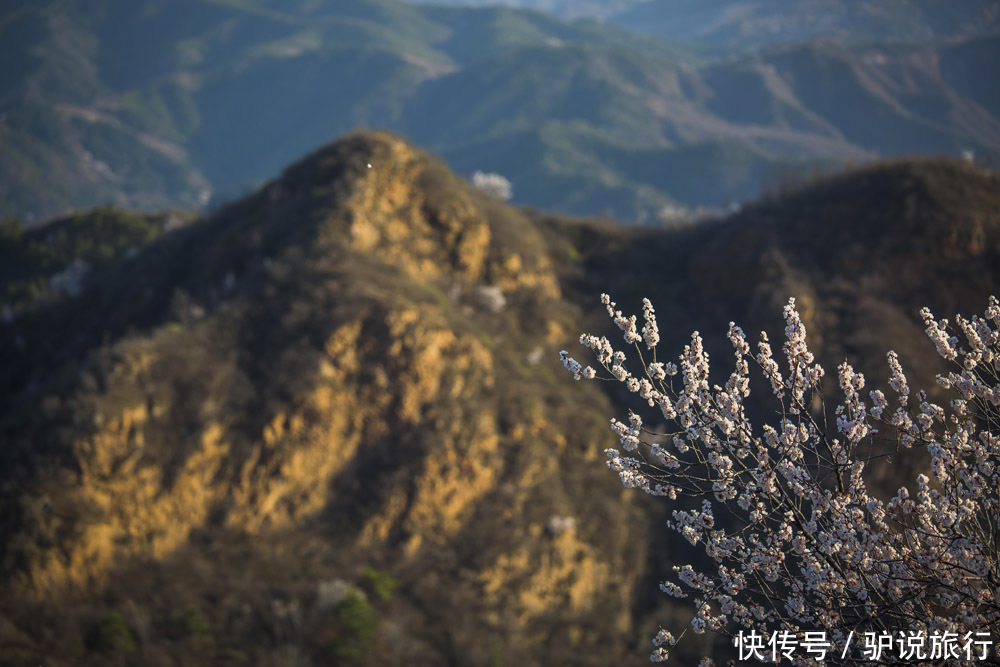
column 194, row 102
column 272, row 399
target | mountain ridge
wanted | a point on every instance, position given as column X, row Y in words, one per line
column 739, row 25
column 351, row 384
column 180, row 106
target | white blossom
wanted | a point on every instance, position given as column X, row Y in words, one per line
column 492, row 184
column 814, row 547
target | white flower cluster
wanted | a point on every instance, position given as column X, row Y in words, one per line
column 492, row 184
column 809, row 548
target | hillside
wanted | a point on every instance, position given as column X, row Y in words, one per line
column 193, row 103
column 45, row 262
column 861, row 252
column 347, row 383
column 353, row 371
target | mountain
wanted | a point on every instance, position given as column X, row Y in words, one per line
column 636, row 125
column 712, row 24
column 232, row 441
column 328, row 421
column 170, row 104
column 862, row 252
column 728, row 24
column 193, row 103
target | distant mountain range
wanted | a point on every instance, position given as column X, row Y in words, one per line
column 744, row 24
column 328, row 423
column 566, row 9
column 192, row 102
column 748, row 24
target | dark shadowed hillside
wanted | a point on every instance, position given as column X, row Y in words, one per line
column 861, row 252
column 328, row 423
column 877, row 242
column 48, row 261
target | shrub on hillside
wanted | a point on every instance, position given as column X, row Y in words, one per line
column 492, row 184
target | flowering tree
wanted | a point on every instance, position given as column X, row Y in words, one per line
column 492, row 184
column 809, row 566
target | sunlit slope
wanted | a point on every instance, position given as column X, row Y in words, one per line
column 353, row 367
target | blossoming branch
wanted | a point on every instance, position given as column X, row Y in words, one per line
column 806, row 547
